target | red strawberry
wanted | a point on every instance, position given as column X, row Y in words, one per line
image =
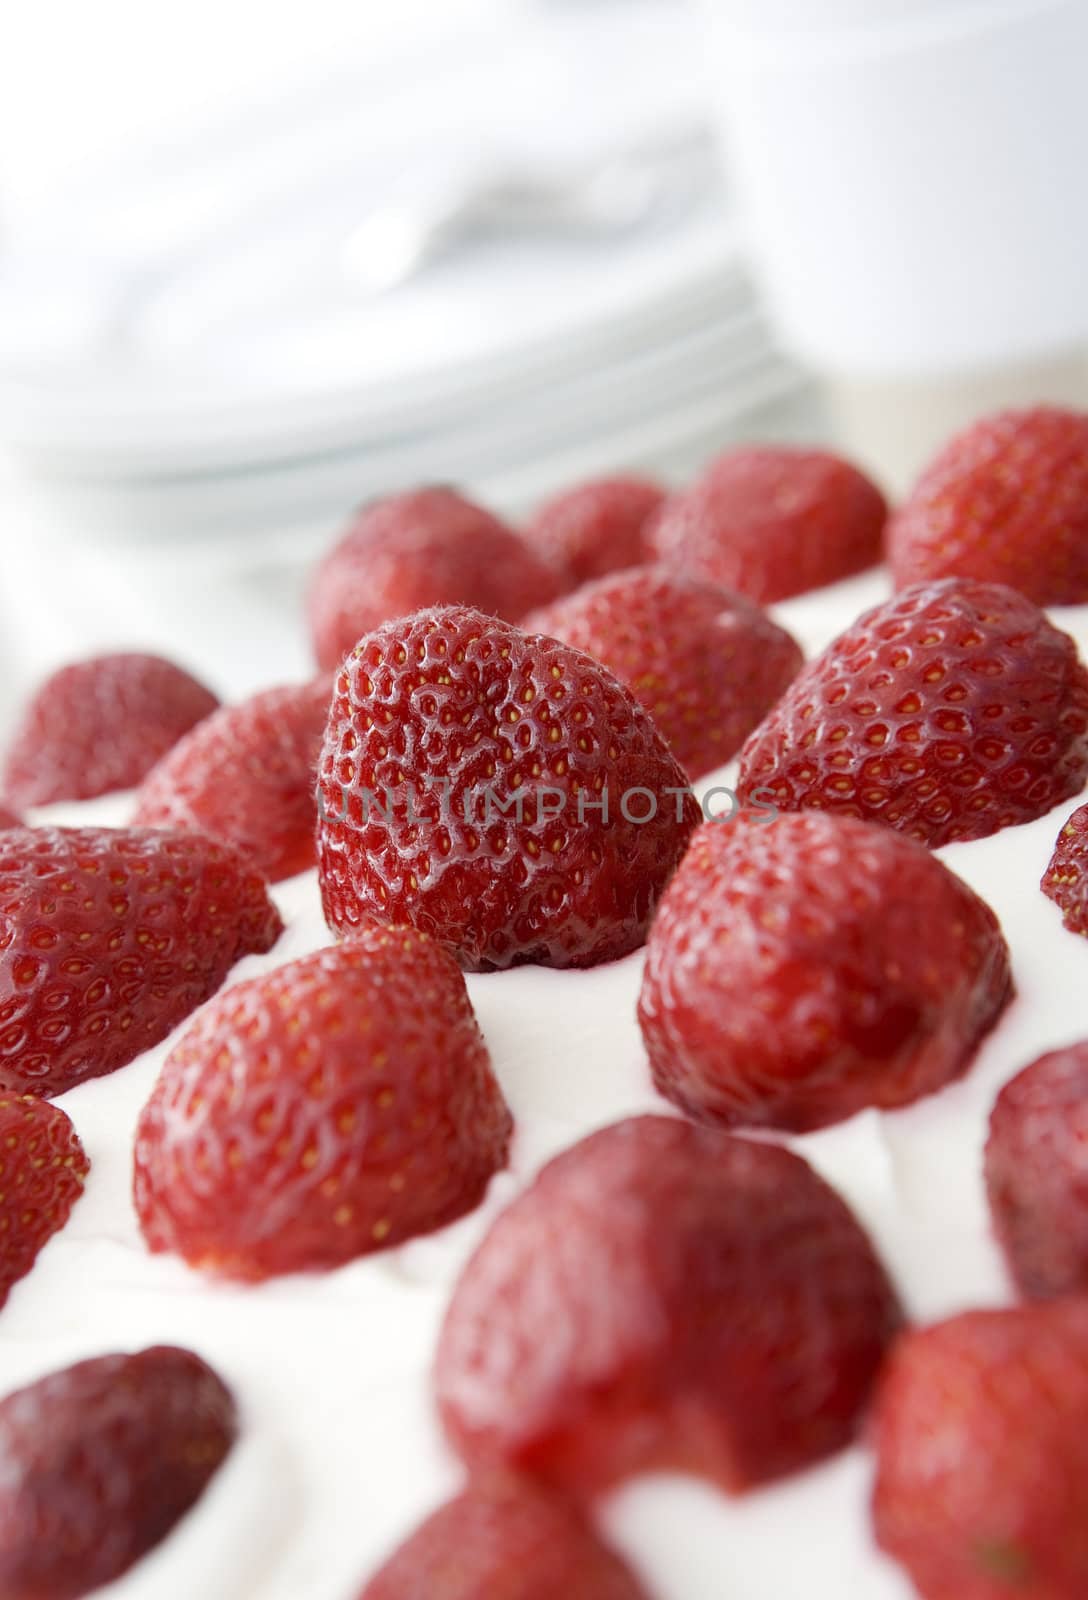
column 665, row 1297
column 706, row 664
column 771, row 521
column 42, row 1168
column 503, row 1538
column 99, row 1461
column 246, row 776
column 1005, row 501
column 464, row 782
column 108, row 938
column 100, row 725
column 428, row 547
column 804, row 968
column 1065, row 880
column 8, row 819
column 598, row 527
column 982, row 1455
column 949, row 712
column 338, row 1105
column 1037, row 1173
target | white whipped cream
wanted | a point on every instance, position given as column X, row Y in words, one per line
column 340, row 1455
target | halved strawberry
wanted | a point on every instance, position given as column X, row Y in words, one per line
column 424, row 548
column 247, row 775
column 1005, row 501
column 803, row 968
column 982, row 1455
column 706, row 664
column 502, row 792
column 665, row 1297
column 338, row 1105
column 1037, row 1173
column 42, row 1168
column 503, row 1538
column 99, row 1461
column 100, row 725
column 951, row 711
column 108, row 938
column 598, row 527
column 771, row 521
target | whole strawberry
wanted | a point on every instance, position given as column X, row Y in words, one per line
column 42, row 1168
column 246, row 775
column 802, row 969
column 706, row 664
column 100, row 725
column 1037, row 1173
column 665, row 1297
column 424, row 548
column 500, row 791
column 1005, row 501
column 338, row 1105
column 951, row 711
column 99, row 1461
column 982, row 1455
column 503, row 1538
column 109, row 937
column 771, row 521
column 598, row 527
column 1066, row 878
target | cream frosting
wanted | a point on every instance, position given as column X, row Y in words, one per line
column 340, row 1454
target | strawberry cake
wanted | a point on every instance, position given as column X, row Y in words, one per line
column 414, row 1200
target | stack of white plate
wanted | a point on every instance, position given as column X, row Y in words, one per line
column 202, row 361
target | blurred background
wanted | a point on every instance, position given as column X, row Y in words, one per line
column 261, row 263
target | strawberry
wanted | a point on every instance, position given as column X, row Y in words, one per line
column 803, row 968
column 503, row 1538
column 99, row 1461
column 598, row 527
column 951, row 711
column 706, row 664
column 428, row 547
column 42, row 1168
column 1065, row 880
column 338, row 1105
column 502, row 792
column 665, row 1297
column 982, row 1455
column 1037, row 1173
column 772, row 521
column 8, row 818
column 100, row 725
column 108, row 938
column 1006, row 501
column 246, row 775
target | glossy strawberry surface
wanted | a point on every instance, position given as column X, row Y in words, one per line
column 665, row 1297
column 598, row 527
column 109, row 937
column 99, row 725
column 1005, row 501
column 803, row 968
column 424, row 548
column 500, row 791
column 42, row 1169
column 247, row 775
column 772, row 520
column 706, row 664
column 1066, row 878
column 335, row 1106
column 982, row 1455
column 949, row 712
column 99, row 1461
